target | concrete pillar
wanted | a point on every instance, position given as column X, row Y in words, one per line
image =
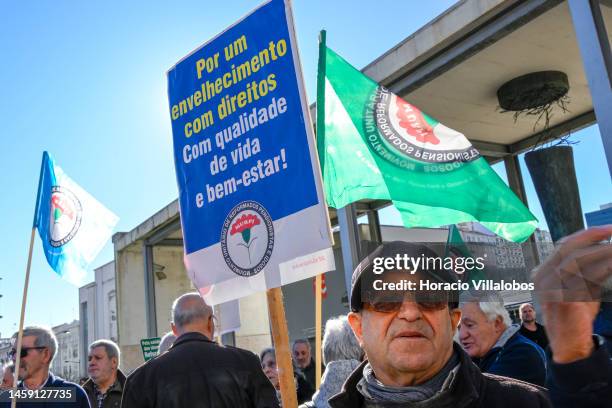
column 597, row 60
column 517, row 185
column 374, row 226
column 349, row 241
column 149, row 285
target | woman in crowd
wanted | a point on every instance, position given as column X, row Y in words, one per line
column 341, row 355
column 268, row 364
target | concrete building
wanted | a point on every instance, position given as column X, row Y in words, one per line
column 5, row 346
column 97, row 310
column 603, row 216
column 544, row 243
column 68, row 357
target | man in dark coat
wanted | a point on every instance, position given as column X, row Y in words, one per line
column 496, row 346
column 302, row 356
column 531, row 329
column 196, row 372
column 104, row 387
column 407, row 335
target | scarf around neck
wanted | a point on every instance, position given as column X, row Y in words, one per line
column 375, row 391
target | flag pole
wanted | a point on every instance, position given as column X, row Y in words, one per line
column 318, row 296
column 27, row 282
column 321, row 101
column 21, row 319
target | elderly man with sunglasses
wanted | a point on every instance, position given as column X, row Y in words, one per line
column 41, row 387
column 407, row 335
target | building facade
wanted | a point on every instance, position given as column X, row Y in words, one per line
column 67, row 359
column 603, row 216
column 5, row 346
column 97, row 310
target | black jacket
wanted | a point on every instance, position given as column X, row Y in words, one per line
column 113, row 397
column 471, row 389
column 197, row 373
column 583, row 383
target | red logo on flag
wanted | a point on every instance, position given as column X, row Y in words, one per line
column 411, row 119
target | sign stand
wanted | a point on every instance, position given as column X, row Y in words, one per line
column 280, row 339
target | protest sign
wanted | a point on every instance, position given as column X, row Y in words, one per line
column 150, row 347
column 252, row 209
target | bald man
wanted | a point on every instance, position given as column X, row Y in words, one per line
column 196, row 372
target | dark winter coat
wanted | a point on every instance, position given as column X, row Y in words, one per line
column 113, row 396
column 518, row 358
column 470, row 389
column 197, row 373
column 584, row 383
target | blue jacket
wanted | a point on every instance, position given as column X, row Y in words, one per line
column 518, row 358
column 78, row 401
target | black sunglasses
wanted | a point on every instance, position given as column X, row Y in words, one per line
column 24, row 351
column 426, row 301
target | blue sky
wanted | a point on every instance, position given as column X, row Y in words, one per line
column 86, row 81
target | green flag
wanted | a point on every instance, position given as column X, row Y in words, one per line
column 455, row 247
column 374, row 145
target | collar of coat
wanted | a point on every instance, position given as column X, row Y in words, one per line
column 465, row 390
column 88, row 386
column 189, row 337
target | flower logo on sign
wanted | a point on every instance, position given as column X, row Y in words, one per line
column 243, row 225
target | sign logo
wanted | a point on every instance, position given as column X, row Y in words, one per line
column 66, row 213
column 247, row 238
column 397, row 131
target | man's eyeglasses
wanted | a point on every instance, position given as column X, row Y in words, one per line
column 425, row 301
column 24, row 351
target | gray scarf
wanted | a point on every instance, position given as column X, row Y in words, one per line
column 376, row 392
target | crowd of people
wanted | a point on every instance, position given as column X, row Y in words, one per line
column 390, row 350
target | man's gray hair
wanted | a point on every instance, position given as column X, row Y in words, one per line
column 188, row 308
column 44, row 337
column 111, row 348
column 339, row 341
column 301, row 341
column 491, row 304
column 166, row 342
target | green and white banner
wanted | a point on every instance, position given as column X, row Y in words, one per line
column 374, row 145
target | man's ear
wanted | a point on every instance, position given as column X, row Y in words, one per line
column 47, row 355
column 211, row 326
column 455, row 318
column 499, row 324
column 354, row 319
column 115, row 362
column 174, row 329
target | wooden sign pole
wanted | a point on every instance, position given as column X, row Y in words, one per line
column 280, row 337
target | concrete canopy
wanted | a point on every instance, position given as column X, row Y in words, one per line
column 452, row 67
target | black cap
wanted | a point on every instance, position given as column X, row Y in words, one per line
column 390, row 250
